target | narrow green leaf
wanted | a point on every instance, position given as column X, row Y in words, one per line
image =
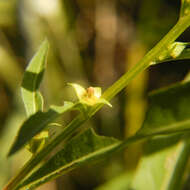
column 81, row 149
column 36, row 143
column 32, row 79
column 36, row 123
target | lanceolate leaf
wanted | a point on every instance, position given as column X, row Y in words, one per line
column 36, row 123
column 32, row 79
column 79, row 150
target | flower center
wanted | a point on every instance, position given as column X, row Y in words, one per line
column 90, row 92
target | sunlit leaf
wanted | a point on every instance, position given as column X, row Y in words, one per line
column 36, row 123
column 162, row 165
column 32, row 79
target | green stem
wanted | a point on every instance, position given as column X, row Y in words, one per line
column 120, row 84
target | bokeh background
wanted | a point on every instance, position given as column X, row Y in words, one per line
column 91, row 43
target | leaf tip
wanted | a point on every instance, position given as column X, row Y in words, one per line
column 11, row 152
column 45, row 41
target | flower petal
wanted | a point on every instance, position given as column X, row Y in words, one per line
column 80, row 91
column 97, row 92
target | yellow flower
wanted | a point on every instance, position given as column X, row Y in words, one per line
column 90, row 96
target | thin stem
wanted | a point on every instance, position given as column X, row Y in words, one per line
column 120, row 84
column 151, row 56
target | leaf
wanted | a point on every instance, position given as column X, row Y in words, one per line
column 165, row 157
column 38, row 142
column 162, row 165
column 36, row 123
column 81, row 149
column 32, row 79
column 181, row 166
column 175, row 51
column 184, row 55
column 39, row 101
column 172, row 51
column 168, row 111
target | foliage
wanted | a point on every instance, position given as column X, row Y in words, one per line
column 164, row 130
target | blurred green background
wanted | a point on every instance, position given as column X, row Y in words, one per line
column 91, row 43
